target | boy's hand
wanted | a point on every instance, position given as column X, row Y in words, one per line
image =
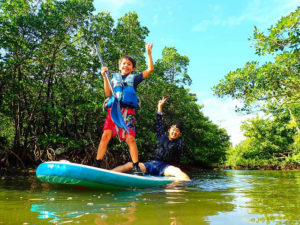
column 160, row 104
column 104, row 70
column 150, row 68
column 149, row 47
column 107, row 90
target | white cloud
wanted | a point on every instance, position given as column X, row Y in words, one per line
column 260, row 12
column 205, row 24
column 264, row 13
column 222, row 112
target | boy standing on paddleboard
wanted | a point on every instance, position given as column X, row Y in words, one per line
column 168, row 151
column 125, row 85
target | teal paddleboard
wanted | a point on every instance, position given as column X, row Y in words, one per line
column 67, row 173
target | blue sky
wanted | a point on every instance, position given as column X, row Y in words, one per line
column 213, row 34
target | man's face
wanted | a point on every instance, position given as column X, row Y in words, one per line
column 126, row 67
column 174, row 132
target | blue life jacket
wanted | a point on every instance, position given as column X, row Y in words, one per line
column 124, row 91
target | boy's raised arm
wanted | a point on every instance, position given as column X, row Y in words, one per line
column 150, row 68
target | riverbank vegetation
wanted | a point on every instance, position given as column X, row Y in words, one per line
column 51, row 89
column 273, row 89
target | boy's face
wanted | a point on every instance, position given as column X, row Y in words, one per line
column 174, row 132
column 126, row 67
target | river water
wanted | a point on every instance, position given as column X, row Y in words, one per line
column 233, row 197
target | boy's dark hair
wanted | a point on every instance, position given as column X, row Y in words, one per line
column 178, row 125
column 128, row 58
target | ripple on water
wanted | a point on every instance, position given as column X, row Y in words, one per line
column 240, row 197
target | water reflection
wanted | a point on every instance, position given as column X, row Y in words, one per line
column 263, row 197
column 214, row 197
column 182, row 206
column 58, row 208
column 172, row 205
column 274, row 197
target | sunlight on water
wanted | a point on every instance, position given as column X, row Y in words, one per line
column 214, row 197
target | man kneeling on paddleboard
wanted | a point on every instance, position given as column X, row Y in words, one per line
column 168, row 150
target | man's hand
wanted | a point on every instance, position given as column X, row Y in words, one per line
column 160, row 104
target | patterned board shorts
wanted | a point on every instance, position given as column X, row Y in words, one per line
column 156, row 168
column 129, row 120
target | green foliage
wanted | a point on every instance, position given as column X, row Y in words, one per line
column 50, row 85
column 204, row 142
column 7, row 131
column 274, row 89
column 173, row 67
column 274, row 84
column 267, row 141
column 129, row 30
column 284, row 35
column 51, row 90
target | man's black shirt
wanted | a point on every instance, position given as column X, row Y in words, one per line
column 166, row 151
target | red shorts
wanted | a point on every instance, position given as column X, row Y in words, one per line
column 129, row 120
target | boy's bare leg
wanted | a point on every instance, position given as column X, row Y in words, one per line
column 130, row 140
column 134, row 154
column 106, row 136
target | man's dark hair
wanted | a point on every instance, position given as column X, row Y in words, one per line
column 128, row 58
column 178, row 125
